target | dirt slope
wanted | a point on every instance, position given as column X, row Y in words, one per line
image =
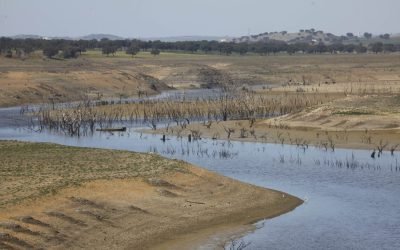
column 112, row 209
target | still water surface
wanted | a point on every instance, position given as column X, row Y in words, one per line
column 351, row 200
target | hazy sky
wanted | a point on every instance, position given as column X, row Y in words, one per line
column 155, row 18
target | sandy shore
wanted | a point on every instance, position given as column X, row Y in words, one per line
column 166, row 208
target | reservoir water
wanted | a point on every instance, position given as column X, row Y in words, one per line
column 351, row 200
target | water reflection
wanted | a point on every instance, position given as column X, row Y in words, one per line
column 352, row 199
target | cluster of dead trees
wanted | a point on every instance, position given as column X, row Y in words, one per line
column 87, row 116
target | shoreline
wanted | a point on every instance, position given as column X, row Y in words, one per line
column 143, row 212
column 298, row 136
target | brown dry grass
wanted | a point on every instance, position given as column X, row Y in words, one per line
column 53, row 167
column 35, row 80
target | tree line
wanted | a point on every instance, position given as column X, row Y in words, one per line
column 70, row 49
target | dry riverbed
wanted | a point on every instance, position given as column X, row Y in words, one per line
column 57, row 197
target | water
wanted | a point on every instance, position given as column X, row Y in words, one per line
column 351, row 200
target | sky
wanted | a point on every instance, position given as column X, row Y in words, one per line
column 163, row 18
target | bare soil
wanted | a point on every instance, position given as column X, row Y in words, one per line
column 109, row 208
column 38, row 80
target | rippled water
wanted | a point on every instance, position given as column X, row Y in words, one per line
column 352, row 200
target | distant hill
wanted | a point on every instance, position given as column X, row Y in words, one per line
column 87, row 37
column 26, row 36
column 99, row 37
column 306, row 36
column 303, row 36
column 188, row 38
column 394, row 39
column 114, row 37
column 313, row 36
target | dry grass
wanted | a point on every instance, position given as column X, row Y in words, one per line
column 36, row 80
column 57, row 197
column 29, row 170
column 323, row 92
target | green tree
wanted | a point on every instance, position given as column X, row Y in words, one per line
column 360, row 48
column 242, row 48
column 50, row 50
column 389, row 48
column 385, row 36
column 155, row 52
column 5, row 44
column 205, row 46
column 27, row 48
column 367, row 35
column 132, row 50
column 191, row 47
column 226, row 48
column 109, row 49
column 71, row 52
column 377, row 47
